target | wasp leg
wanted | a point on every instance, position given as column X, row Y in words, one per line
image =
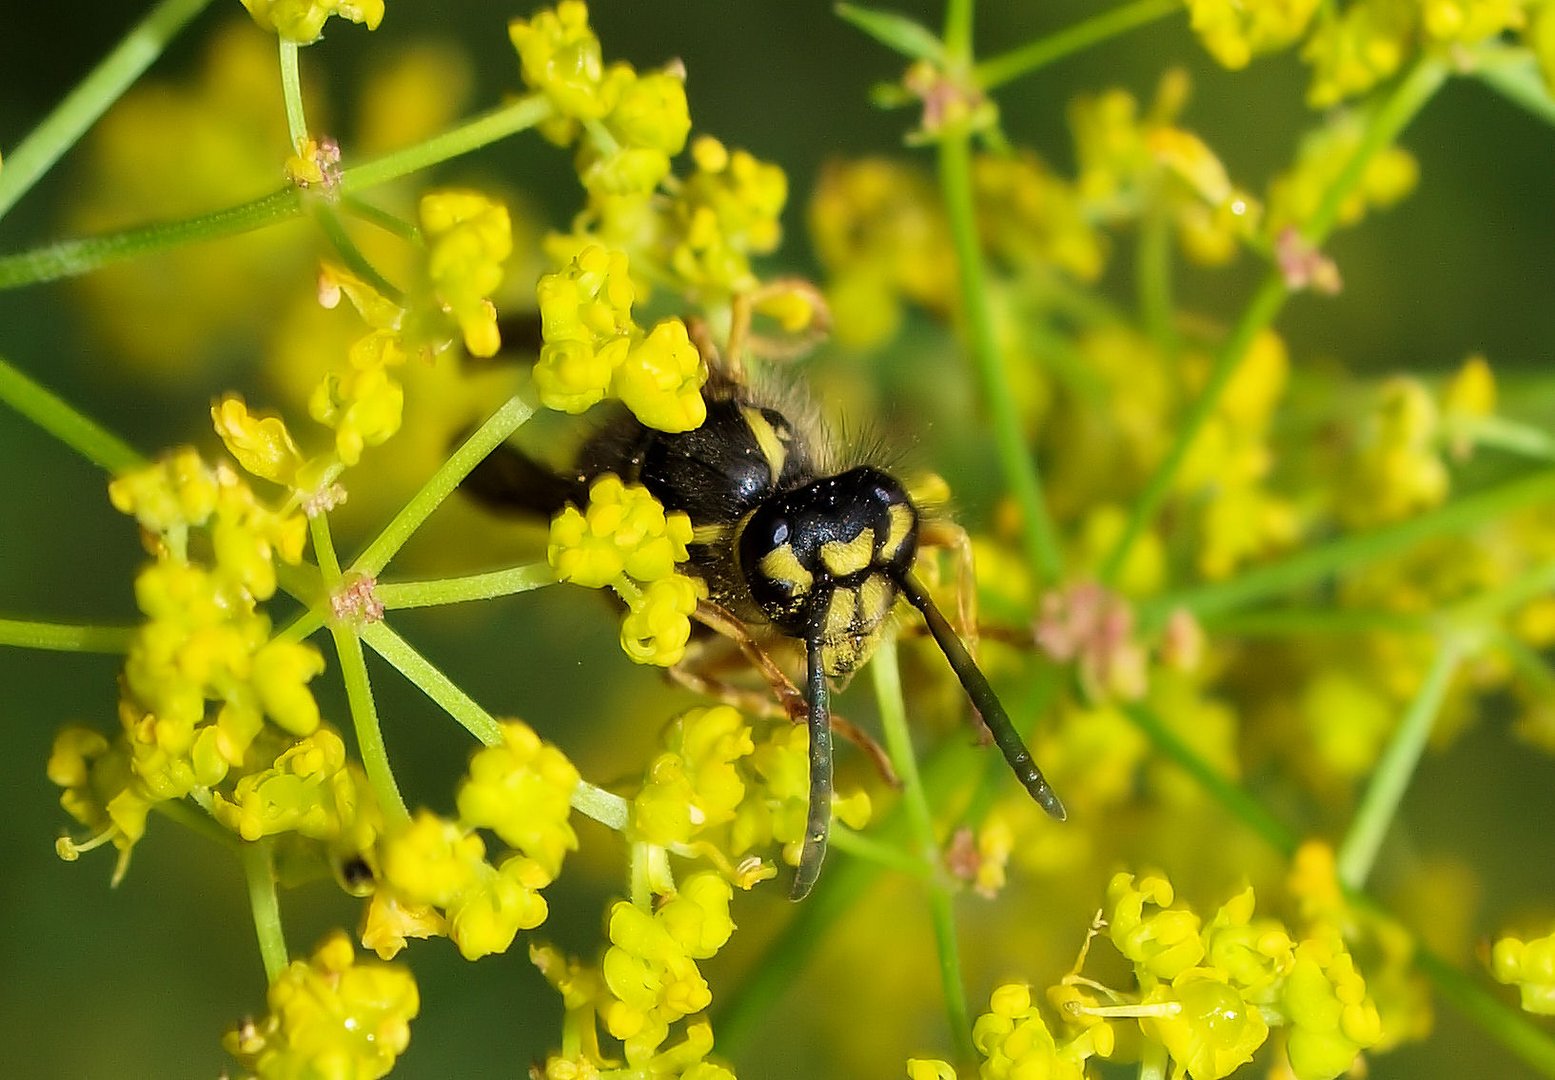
column 818, row 822
column 790, row 702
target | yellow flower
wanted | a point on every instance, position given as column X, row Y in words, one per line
column 561, row 58
column 1214, row 1031
column 661, row 378
column 1530, row 966
column 262, row 445
column 178, row 491
column 657, row 625
column 693, row 785
column 303, row 21
column 486, row 916
column 521, row 790
column 331, row 1015
column 624, row 529
column 1235, row 31
column 469, row 237
column 1331, row 1017
column 432, row 861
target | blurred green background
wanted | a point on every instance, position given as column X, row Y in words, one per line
column 140, row 981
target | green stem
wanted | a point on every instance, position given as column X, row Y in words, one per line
column 1514, row 1031
column 60, row 130
column 863, row 846
column 1514, row 74
column 958, row 30
column 898, row 739
column 291, row 92
column 457, row 590
column 61, row 420
column 487, row 128
column 432, row 682
column 359, row 689
column 70, row 258
column 259, row 869
column 1499, row 433
column 1285, row 622
column 1313, row 565
column 196, row 820
column 1383, row 795
column 1158, row 313
column 364, row 718
column 334, row 230
column 1038, row 54
column 1020, row 468
column 441, row 484
column 605, row 807
column 1230, row 794
column 66, row 637
column 1152, row 1061
column 374, row 215
column 1386, row 123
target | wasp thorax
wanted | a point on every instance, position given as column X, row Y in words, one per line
column 823, row 561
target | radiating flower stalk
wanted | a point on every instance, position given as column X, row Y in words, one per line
column 1141, row 661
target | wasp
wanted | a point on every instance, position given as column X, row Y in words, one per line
column 788, row 546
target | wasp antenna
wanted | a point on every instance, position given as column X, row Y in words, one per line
column 819, row 821
column 975, row 683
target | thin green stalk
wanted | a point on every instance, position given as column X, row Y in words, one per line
column 432, row 682
column 63, row 421
column 291, row 93
column 1514, row 74
column 1158, row 312
column 1291, row 622
column 334, row 230
column 487, row 128
column 259, row 870
column 441, row 484
column 1488, row 605
column 958, row 30
column 605, row 807
column 1152, row 1061
column 65, row 637
column 1230, row 794
column 70, row 258
column 1511, row 1029
column 1313, row 565
column 1500, row 433
column 1387, row 122
column 392, row 224
column 1019, row 466
column 364, row 718
column 1379, row 806
column 898, row 739
column 889, row 856
column 90, row 98
column 1038, row 54
column 457, row 590
column 359, row 688
column 1259, row 313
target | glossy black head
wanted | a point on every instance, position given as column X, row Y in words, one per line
column 823, row 561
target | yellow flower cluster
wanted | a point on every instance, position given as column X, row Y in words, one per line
column 469, row 236
column 436, row 878
column 1235, row 31
column 878, row 228
column 310, row 790
column 625, row 540
column 203, row 673
column 1015, row 1042
column 593, row 347
column 716, row 787
column 1529, row 966
column 699, row 232
column 647, row 981
column 303, row 21
column 330, row 1016
column 726, row 211
column 1222, row 976
column 1391, row 174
